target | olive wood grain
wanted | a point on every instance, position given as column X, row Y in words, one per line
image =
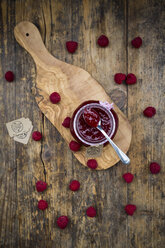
column 75, row 86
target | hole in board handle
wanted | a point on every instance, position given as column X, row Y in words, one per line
column 27, row 34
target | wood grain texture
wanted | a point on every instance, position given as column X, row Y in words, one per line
column 75, row 86
column 21, row 224
column 148, row 144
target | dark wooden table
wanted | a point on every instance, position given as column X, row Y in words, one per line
column 21, row 223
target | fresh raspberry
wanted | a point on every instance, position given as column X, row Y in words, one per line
column 71, row 46
column 130, row 209
column 154, row 168
column 103, row 41
column 55, row 97
column 119, row 78
column 66, row 122
column 42, row 205
column 131, row 79
column 62, row 221
column 36, row 136
column 74, row 185
column 41, row 186
column 9, row 76
column 74, row 146
column 149, row 112
column 91, row 212
column 136, row 42
column 128, row 177
column 92, row 163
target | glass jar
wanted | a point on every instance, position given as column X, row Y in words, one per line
column 91, row 136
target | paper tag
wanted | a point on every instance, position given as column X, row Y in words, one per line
column 15, row 127
column 18, row 126
column 20, row 129
column 94, row 151
column 24, row 137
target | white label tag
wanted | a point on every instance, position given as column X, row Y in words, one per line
column 94, row 151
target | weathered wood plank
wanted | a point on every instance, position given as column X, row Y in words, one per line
column 32, row 223
column 146, row 19
column 22, row 165
column 8, row 170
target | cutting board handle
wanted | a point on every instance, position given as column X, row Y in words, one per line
column 28, row 36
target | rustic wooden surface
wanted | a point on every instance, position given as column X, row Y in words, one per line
column 21, row 224
column 75, row 86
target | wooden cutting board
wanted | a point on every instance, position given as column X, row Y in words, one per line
column 75, row 86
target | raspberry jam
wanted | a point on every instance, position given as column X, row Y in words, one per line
column 91, row 117
column 89, row 135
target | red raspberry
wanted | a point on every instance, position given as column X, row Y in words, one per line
column 136, row 42
column 71, row 46
column 92, row 163
column 54, row 97
column 36, row 136
column 9, row 76
column 154, row 168
column 130, row 209
column 74, row 146
column 42, row 205
column 128, row 177
column 62, row 221
column 131, row 79
column 41, row 186
column 66, row 122
column 91, row 212
column 74, row 185
column 119, row 78
column 149, row 112
column 103, row 41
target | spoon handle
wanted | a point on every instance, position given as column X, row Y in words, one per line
column 124, row 158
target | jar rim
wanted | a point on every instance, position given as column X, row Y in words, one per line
column 101, row 107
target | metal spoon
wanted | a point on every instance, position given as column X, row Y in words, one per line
column 124, row 158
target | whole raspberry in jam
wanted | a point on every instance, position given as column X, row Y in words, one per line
column 128, row 177
column 41, row 186
column 9, row 76
column 36, row 136
column 71, row 46
column 42, row 205
column 92, row 163
column 131, row 79
column 130, row 209
column 154, row 168
column 149, row 112
column 74, row 185
column 119, row 78
column 66, row 122
column 74, row 146
column 103, row 41
column 136, row 42
column 91, row 212
column 55, row 97
column 62, row 222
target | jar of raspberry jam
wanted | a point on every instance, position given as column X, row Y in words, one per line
column 88, row 135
